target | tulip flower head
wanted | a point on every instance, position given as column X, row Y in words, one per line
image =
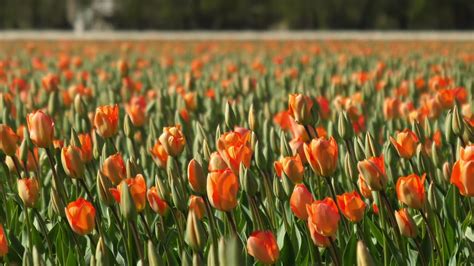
column 8, row 140
column 323, row 217
column 411, row 190
column 28, row 190
column 462, row 175
column 299, row 107
column 159, row 154
column 196, row 205
column 222, row 189
column 81, row 216
column 86, row 147
column 3, row 242
column 234, row 148
column 292, row 166
column 41, row 128
column 136, row 110
column 322, row 156
column 114, row 168
column 106, row 120
column 138, row 191
column 372, row 171
column 196, row 177
column 157, row 204
column 262, row 245
column 405, row 143
column 173, row 140
column 298, row 201
column 405, row 223
column 352, row 206
column 72, row 162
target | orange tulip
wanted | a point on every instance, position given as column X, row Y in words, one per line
column 296, row 103
column 157, row 204
column 173, row 140
column 364, row 188
column 234, row 147
column 446, row 97
column 321, row 155
column 72, row 162
column 106, row 120
column 373, row 172
column 405, row 223
column 405, row 143
column 216, row 163
column 411, row 190
column 114, row 168
column 50, row 82
column 28, row 190
column 352, row 206
column 196, row 177
column 86, row 147
column 160, row 156
column 190, row 99
column 196, row 204
column 138, row 191
column 81, row 216
column 323, row 216
column 41, row 128
column 262, row 245
column 8, row 140
column 298, row 201
column 462, row 175
column 318, row 239
column 3, row 242
column 391, row 108
column 292, row 166
column 222, row 189
column 136, row 110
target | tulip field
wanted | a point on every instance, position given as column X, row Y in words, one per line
column 237, row 152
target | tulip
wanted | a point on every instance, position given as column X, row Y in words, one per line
column 160, row 156
column 222, row 189
column 299, row 107
column 292, row 166
column 28, row 190
column 136, row 110
column 323, row 216
column 298, row 201
column 372, row 171
column 3, row 242
column 196, row 177
column 72, row 162
column 114, row 168
column 195, row 235
column 86, row 147
column 8, row 140
column 405, row 223
column 173, row 140
column 364, row 188
column 41, row 128
column 196, row 205
column 234, row 148
column 216, row 163
column 50, row 82
column 352, row 206
column 321, row 155
column 157, row 204
column 190, row 100
column 405, row 143
column 462, row 175
column 391, row 108
column 81, row 216
column 411, row 190
column 262, row 245
column 138, row 191
column 106, row 120
column 363, row 255
column 318, row 239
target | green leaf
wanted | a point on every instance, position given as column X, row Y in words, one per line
column 349, row 254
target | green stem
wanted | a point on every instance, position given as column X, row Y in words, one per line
column 136, row 238
column 382, row 220
column 432, row 236
column 43, row 227
column 147, row 228
column 212, row 228
column 28, row 228
column 420, row 251
column 124, row 237
column 231, row 220
column 335, row 253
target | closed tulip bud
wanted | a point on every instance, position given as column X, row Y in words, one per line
column 41, row 128
column 56, row 203
column 447, row 171
column 114, row 168
column 278, row 190
column 405, row 143
column 157, row 204
column 127, row 127
column 196, row 177
column 300, row 107
column 262, row 245
column 8, row 140
column 351, row 206
column 154, row 259
column 349, row 168
column 359, row 149
column 72, row 162
column 298, row 201
column 127, row 206
column 252, row 119
column 81, row 216
column 178, row 196
column 195, row 235
column 373, row 172
column 448, row 129
column 411, row 190
column 462, row 175
column 344, row 127
column 323, row 216
column 433, row 198
column 322, row 155
column 79, row 105
column 28, row 190
column 3, row 242
column 406, row 224
column 196, row 205
column 106, row 120
column 363, row 255
column 457, row 123
column 173, row 140
column 222, row 189
column 102, row 256
column 418, row 130
column 248, row 182
column 292, row 166
column 103, row 189
column 371, row 149
column 229, row 116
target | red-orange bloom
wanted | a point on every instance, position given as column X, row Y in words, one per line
column 323, row 217
column 160, row 156
column 411, row 190
column 391, row 108
column 462, row 175
column 298, row 201
column 157, row 204
column 292, row 166
column 136, row 110
column 222, row 189
column 372, row 172
column 262, row 245
column 28, row 190
column 196, row 204
column 234, row 148
column 41, row 128
column 106, row 120
column 86, row 147
column 81, row 216
column 173, row 140
column 8, row 140
column 114, row 168
column 296, row 103
column 321, row 155
column 405, row 223
column 72, row 161
column 405, row 143
column 352, row 206
column 137, row 188
column 3, row 242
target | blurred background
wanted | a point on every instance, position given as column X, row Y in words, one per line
column 83, row 15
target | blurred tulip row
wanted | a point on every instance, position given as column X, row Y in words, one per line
column 236, row 153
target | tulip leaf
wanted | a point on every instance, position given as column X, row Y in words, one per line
column 350, row 251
